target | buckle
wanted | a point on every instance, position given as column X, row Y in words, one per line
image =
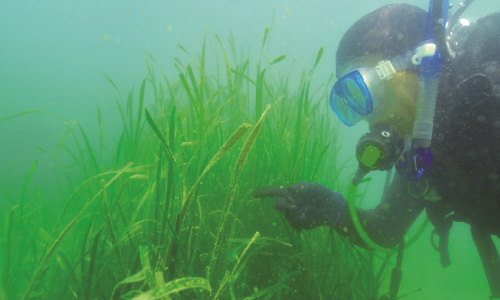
column 385, row 70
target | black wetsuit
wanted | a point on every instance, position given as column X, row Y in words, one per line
column 464, row 179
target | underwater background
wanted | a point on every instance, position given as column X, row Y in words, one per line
column 133, row 132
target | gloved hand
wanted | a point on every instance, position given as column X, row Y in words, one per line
column 306, row 205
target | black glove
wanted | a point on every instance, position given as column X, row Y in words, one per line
column 306, row 205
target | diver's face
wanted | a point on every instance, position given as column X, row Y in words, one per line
column 400, row 99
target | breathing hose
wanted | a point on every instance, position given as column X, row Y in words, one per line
column 351, row 194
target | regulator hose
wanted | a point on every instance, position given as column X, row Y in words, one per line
column 472, row 57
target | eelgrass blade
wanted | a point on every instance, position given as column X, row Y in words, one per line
column 159, row 186
column 318, row 57
column 71, row 280
column 303, row 109
column 10, row 226
column 40, row 270
column 383, row 266
column 146, row 266
column 90, row 151
column 183, row 49
column 111, row 231
column 174, row 287
column 201, row 96
column 299, row 143
column 150, row 56
column 158, row 95
column 112, row 84
column 170, row 176
column 238, row 134
column 227, row 64
column 83, row 263
column 264, row 38
column 260, row 84
column 229, row 278
column 125, row 132
column 137, row 277
column 33, row 112
column 178, row 65
column 240, row 163
column 93, row 257
column 277, row 60
column 213, row 98
column 73, row 156
column 40, row 149
column 196, row 93
column 144, row 168
column 145, row 197
column 129, row 122
column 158, row 133
column 139, row 112
column 7, row 186
column 258, row 92
column 118, row 207
column 99, row 121
column 171, row 88
column 243, row 76
column 25, row 186
column 214, row 120
column 119, row 148
column 269, row 90
column 319, row 161
column 235, row 137
column 232, row 45
column 3, row 294
column 260, row 77
column 194, row 104
column 270, row 290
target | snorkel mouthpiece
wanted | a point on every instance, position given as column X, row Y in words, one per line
column 418, row 159
column 377, row 150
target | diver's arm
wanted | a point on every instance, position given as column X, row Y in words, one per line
column 308, row 205
column 386, row 223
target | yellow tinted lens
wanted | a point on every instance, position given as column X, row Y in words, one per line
column 343, row 108
column 355, row 93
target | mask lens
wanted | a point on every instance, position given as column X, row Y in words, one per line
column 350, row 98
column 342, row 109
column 355, row 93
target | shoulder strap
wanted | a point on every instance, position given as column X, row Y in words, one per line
column 441, row 218
column 489, row 257
column 443, row 231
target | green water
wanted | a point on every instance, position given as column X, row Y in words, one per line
column 137, row 183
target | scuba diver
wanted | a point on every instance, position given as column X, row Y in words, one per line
column 429, row 88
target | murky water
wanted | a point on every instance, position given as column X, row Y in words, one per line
column 100, row 198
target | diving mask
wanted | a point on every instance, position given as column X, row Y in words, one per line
column 360, row 93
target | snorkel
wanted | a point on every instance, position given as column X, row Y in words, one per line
column 418, row 158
